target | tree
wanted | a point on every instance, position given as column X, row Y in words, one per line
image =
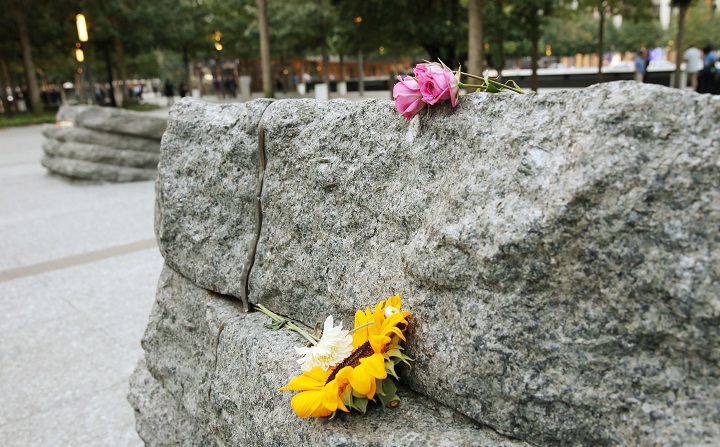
column 531, row 15
column 632, row 35
column 680, row 44
column 264, row 48
column 19, row 10
column 475, row 37
column 629, row 9
column 570, row 37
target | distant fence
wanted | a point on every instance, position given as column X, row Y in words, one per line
column 550, row 77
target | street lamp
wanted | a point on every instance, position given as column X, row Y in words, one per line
column 82, row 31
column 81, row 27
column 79, row 54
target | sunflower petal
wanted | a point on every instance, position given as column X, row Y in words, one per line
column 330, row 395
column 361, row 335
column 303, row 383
column 394, row 301
column 343, row 374
column 374, row 366
column 360, row 380
column 306, row 403
column 321, row 412
column 378, row 341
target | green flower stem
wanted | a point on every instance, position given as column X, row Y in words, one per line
column 472, row 76
column 500, row 84
column 489, row 81
column 360, row 327
column 286, row 322
column 461, row 85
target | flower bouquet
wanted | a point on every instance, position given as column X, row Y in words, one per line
column 345, row 369
column 434, row 82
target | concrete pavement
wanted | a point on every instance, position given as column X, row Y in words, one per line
column 78, row 270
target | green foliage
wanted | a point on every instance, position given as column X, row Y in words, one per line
column 702, row 26
column 26, row 119
column 632, row 36
column 569, row 37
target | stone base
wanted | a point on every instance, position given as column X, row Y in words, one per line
column 86, row 170
column 213, row 374
column 104, row 144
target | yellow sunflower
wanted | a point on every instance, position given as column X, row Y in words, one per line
column 320, row 394
column 376, row 350
column 370, row 343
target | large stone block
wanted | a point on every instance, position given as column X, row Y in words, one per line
column 218, row 369
column 205, row 211
column 113, row 120
column 103, row 144
column 88, row 170
column 159, row 417
column 101, row 154
column 559, row 252
column 89, row 136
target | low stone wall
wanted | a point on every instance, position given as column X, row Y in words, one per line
column 100, row 143
column 559, row 253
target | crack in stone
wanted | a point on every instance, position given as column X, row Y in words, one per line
column 250, row 260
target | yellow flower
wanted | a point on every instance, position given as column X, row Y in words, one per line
column 376, row 348
column 319, row 396
column 371, row 342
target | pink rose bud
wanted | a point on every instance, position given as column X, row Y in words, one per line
column 437, row 86
column 408, row 99
column 430, row 67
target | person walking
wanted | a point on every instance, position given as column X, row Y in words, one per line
column 693, row 65
column 707, row 78
column 640, row 66
column 169, row 92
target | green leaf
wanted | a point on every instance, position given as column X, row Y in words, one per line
column 389, row 397
column 390, row 368
column 275, row 325
column 492, row 89
column 347, row 397
column 356, row 394
column 360, row 404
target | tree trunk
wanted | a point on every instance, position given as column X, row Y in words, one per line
column 108, row 66
column 122, row 68
column 361, row 77
column 4, row 84
column 264, row 49
column 601, row 36
column 186, row 68
column 28, row 63
column 475, row 37
column 534, row 60
column 680, row 43
column 342, row 68
column 326, row 67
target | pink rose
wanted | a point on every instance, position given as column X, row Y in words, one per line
column 438, row 85
column 408, row 99
column 430, row 67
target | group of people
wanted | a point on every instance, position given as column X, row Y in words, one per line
column 702, row 73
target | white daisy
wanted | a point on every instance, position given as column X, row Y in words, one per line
column 334, row 346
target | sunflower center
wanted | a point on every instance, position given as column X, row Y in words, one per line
column 365, row 350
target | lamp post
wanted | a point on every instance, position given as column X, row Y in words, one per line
column 679, row 49
column 80, row 54
column 80, row 57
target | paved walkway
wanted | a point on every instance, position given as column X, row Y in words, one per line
column 78, row 269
